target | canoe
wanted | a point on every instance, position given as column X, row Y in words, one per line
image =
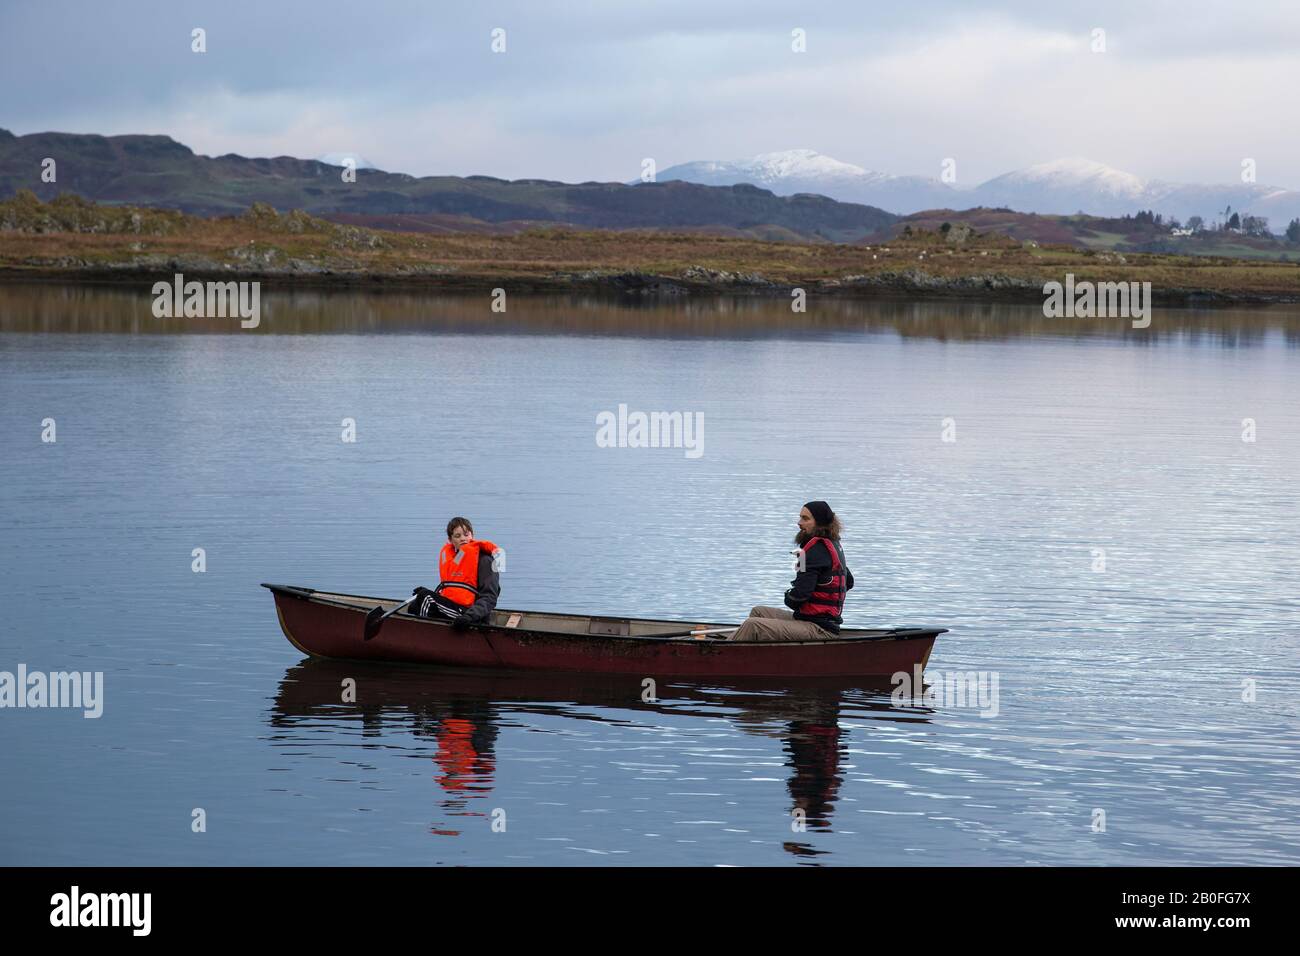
column 330, row 625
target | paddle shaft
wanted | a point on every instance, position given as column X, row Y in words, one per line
column 707, row 630
column 373, row 623
column 387, row 614
column 732, row 630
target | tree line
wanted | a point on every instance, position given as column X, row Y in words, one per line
column 1248, row 225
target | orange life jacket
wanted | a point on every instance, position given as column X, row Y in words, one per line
column 459, row 572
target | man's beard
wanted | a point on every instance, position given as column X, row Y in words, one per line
column 818, row 531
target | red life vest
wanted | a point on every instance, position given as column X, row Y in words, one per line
column 827, row 599
column 459, row 572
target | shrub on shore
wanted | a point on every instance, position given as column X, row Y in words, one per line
column 68, row 212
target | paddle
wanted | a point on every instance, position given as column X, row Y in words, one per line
column 707, row 630
column 731, row 630
column 376, row 616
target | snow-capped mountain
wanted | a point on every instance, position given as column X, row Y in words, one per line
column 1209, row 201
column 808, row 171
column 769, row 169
column 337, row 159
column 1065, row 186
column 1060, row 187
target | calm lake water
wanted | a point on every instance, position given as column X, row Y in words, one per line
column 1099, row 535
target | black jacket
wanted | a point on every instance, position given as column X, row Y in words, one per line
column 817, row 567
column 489, row 589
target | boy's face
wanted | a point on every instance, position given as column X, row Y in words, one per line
column 461, row 536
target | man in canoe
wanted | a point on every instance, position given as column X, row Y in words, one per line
column 816, row 595
column 469, row 584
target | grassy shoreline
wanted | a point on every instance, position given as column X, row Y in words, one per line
column 71, row 240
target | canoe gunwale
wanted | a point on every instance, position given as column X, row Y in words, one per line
column 320, row 597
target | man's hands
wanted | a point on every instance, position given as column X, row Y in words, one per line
column 461, row 623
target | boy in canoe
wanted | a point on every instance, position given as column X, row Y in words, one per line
column 816, row 595
column 468, row 581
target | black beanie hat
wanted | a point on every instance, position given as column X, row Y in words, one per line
column 821, row 513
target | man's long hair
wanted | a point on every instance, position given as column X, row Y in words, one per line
column 831, row 531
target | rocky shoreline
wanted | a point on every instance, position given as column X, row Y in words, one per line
column 693, row 282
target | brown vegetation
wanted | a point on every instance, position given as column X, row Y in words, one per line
column 76, row 239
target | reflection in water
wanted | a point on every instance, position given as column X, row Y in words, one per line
column 461, row 714
column 127, row 308
column 814, row 749
column 465, row 759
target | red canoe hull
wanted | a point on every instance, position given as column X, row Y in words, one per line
column 332, row 626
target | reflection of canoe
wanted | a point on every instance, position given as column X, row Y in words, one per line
column 400, row 693
column 459, row 714
column 330, row 625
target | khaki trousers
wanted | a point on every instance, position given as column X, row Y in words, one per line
column 778, row 624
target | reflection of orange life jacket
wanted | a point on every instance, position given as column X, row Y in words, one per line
column 459, row 572
column 456, row 754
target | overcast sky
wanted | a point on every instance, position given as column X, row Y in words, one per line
column 1184, row 90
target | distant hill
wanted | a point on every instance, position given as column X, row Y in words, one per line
column 158, row 171
column 1098, row 233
